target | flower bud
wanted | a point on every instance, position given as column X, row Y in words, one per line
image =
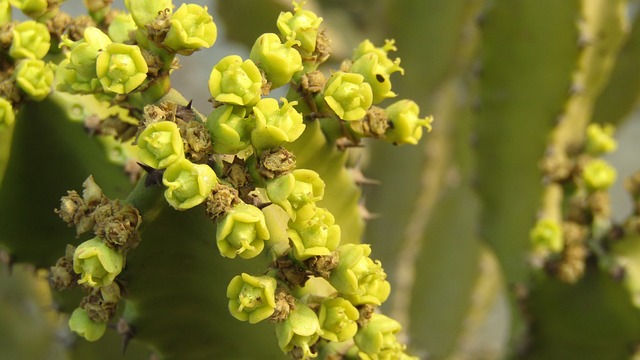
column 7, row 115
column 296, row 189
column 598, row 175
column 313, row 233
column 229, row 128
column 160, row 144
column 191, row 28
column 32, row 8
column 275, row 125
column 279, row 61
column 358, row 278
column 600, row 139
column 377, row 339
column 97, row 263
column 81, row 324
column 121, row 27
column 300, row 329
column 121, row 68
column 96, row 6
column 337, row 318
column 188, row 184
column 547, row 235
column 35, row 78
column 78, row 73
column 377, row 75
column 233, row 81
column 251, row 298
column 348, row 95
column 303, row 24
column 242, row 232
column 31, row 40
column 406, row 126
column 145, row 11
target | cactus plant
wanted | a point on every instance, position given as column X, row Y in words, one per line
column 240, row 229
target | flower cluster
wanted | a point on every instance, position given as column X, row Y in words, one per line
column 235, row 160
column 94, row 264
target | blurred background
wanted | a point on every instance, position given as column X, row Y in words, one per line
column 451, row 216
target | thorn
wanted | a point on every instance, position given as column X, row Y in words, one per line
column 154, row 176
column 6, row 260
column 126, row 331
column 365, row 213
column 359, row 177
column 189, row 104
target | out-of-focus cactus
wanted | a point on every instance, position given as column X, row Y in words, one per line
column 493, row 236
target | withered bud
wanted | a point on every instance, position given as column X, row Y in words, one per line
column 101, row 303
column 92, row 193
column 118, row 225
column 61, row 275
column 221, row 200
column 236, row 174
column 366, row 311
column 313, row 82
column 77, row 26
column 72, row 208
column 322, row 265
column 196, row 140
column 285, row 303
column 323, row 48
column 276, row 162
column 374, row 124
column 159, row 27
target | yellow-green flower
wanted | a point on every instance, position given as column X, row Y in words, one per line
column 313, row 233
column 300, row 329
column 295, row 190
column 32, row 8
column 600, row 139
column 31, row 40
column 188, row 184
column 229, row 128
column 145, row 11
column 367, row 47
column 121, row 68
column 121, row 27
column 303, row 24
column 35, row 78
column 547, row 234
column 337, row 318
column 252, row 298
column 5, row 12
column 78, row 72
column 598, row 175
column 275, row 125
column 191, row 28
column 236, row 82
column 81, row 324
column 358, row 278
column 160, row 144
column 377, row 339
column 405, row 124
column 7, row 115
column 279, row 61
column 348, row 95
column 97, row 263
column 242, row 232
column 377, row 75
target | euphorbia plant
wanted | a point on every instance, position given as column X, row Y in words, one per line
column 232, row 165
